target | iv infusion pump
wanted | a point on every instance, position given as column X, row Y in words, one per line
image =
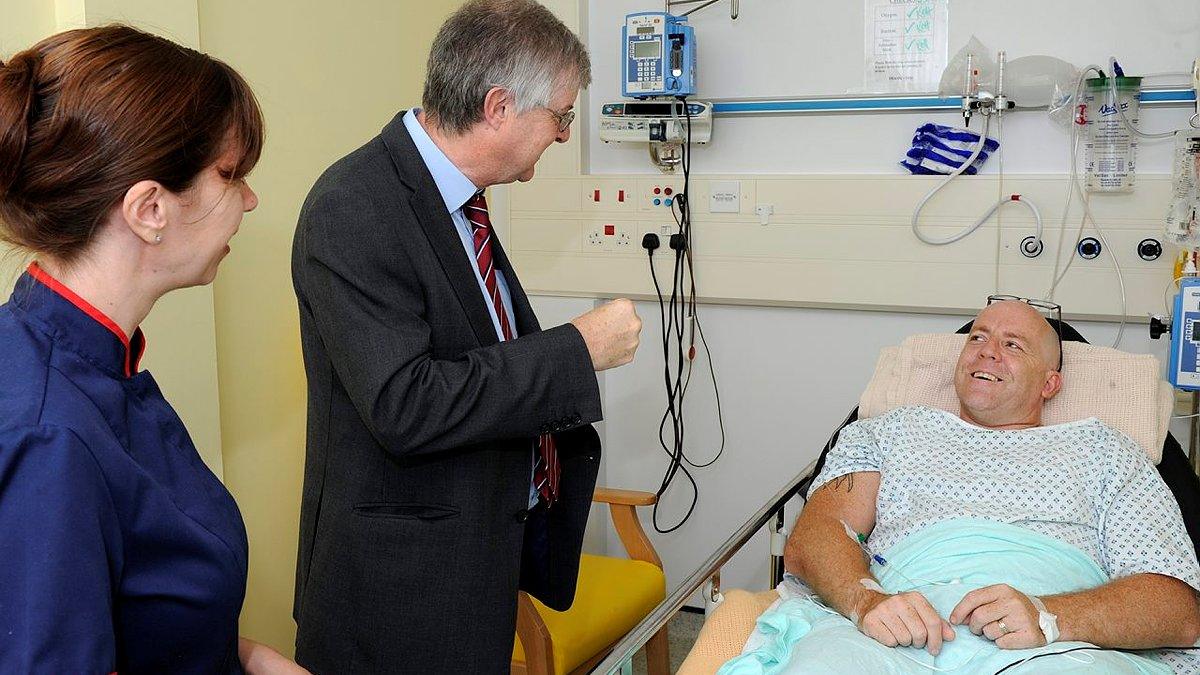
column 1184, row 371
column 659, row 56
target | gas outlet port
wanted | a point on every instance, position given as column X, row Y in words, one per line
column 1149, row 249
column 1089, row 248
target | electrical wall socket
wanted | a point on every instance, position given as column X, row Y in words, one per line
column 600, row 237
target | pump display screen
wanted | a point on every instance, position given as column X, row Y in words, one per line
column 645, row 30
column 653, row 109
column 650, row 49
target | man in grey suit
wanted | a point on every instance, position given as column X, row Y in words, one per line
column 450, row 455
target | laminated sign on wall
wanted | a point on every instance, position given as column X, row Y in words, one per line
column 905, row 46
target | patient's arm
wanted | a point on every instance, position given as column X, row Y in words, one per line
column 1136, row 612
column 819, row 550
column 821, row 553
column 1141, row 611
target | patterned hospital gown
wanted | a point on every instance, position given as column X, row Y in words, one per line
column 1082, row 483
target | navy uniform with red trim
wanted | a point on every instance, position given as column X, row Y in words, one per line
column 119, row 549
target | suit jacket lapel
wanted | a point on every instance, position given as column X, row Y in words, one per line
column 522, row 311
column 439, row 228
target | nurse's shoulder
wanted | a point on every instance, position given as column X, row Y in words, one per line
column 44, row 421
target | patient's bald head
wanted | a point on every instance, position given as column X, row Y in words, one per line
column 1008, row 367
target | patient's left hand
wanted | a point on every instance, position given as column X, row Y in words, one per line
column 984, row 609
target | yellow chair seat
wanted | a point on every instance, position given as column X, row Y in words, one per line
column 613, row 595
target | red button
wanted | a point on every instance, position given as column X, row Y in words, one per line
column 610, row 230
column 657, row 191
column 620, row 195
column 596, row 196
column 667, row 191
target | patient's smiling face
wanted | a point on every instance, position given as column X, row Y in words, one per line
column 1006, row 369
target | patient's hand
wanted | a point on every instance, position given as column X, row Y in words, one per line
column 904, row 619
column 984, row 609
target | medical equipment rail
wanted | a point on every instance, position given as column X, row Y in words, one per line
column 621, row 658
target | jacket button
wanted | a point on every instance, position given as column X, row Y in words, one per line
column 522, row 515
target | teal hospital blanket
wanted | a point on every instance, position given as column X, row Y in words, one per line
column 944, row 562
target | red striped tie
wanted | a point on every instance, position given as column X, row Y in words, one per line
column 546, row 470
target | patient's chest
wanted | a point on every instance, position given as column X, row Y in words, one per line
column 1047, row 479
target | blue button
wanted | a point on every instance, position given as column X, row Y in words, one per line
column 658, row 201
column 666, row 202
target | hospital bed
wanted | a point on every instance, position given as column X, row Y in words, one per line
column 733, row 613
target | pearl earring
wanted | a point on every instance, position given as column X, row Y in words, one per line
column 158, row 238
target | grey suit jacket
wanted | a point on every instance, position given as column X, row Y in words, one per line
column 414, row 528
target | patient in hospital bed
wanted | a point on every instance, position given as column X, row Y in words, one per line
column 986, row 541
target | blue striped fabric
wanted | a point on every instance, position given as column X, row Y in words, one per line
column 939, row 149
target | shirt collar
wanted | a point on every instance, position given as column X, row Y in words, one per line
column 453, row 185
column 74, row 321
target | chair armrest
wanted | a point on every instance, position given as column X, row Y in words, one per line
column 626, row 497
column 622, row 507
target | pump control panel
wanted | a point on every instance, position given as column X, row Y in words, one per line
column 658, row 56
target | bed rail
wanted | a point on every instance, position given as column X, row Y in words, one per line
column 622, row 655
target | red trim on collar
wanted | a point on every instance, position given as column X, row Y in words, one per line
column 131, row 359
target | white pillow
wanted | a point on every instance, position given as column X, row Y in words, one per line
column 1123, row 390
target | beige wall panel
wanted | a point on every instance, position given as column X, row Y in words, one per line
column 329, row 77
column 548, row 194
column 846, row 241
column 547, row 235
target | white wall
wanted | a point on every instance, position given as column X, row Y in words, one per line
column 781, row 48
column 788, row 376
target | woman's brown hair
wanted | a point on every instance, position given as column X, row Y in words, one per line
column 86, row 114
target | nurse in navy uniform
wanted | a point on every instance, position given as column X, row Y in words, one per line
column 122, row 165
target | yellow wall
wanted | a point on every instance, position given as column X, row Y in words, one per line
column 22, row 23
column 329, row 76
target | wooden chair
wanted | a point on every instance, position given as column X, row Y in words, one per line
column 613, row 596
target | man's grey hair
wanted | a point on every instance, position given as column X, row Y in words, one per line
column 517, row 45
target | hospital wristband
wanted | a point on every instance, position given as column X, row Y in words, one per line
column 1046, row 621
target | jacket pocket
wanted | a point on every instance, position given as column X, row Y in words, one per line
column 407, row 510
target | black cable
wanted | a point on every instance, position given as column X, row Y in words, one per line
column 667, row 315
column 716, row 392
column 1081, row 649
column 686, row 208
column 680, row 323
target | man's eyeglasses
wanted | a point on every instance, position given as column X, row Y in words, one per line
column 564, row 119
column 1053, row 308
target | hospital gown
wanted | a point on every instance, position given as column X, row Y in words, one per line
column 1082, row 483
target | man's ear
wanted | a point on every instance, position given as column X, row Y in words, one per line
column 144, row 210
column 1052, row 386
column 497, row 107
